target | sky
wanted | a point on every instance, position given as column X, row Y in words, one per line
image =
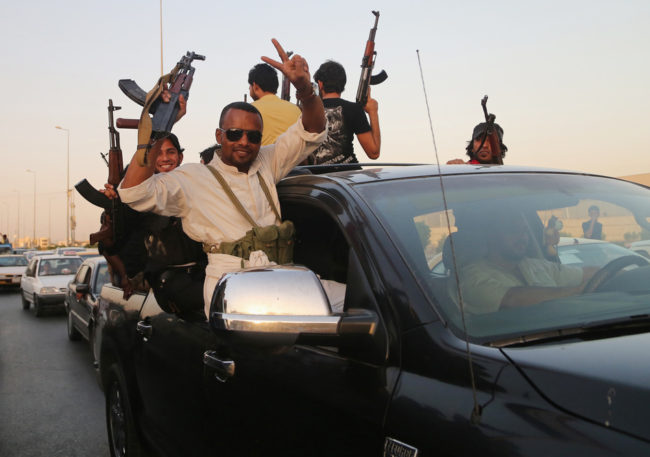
column 569, row 82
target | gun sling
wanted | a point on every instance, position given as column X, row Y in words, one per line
column 275, row 240
column 145, row 124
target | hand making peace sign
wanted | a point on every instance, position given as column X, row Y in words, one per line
column 295, row 68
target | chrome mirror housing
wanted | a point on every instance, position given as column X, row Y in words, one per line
column 281, row 300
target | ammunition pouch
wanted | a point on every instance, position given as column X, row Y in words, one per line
column 276, row 241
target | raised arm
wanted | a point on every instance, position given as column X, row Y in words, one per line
column 371, row 141
column 136, row 174
column 297, row 71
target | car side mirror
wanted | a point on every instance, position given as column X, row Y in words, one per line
column 282, row 304
column 82, row 289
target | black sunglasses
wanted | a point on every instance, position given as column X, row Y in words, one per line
column 254, row 136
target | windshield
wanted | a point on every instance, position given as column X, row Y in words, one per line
column 54, row 267
column 13, row 261
column 525, row 246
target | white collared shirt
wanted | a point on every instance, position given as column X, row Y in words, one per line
column 192, row 193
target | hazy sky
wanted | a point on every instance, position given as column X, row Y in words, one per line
column 569, row 81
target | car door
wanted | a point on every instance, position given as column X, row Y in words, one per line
column 310, row 398
column 27, row 281
column 78, row 303
column 168, row 360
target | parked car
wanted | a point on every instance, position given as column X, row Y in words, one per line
column 403, row 370
column 12, row 267
column 642, row 247
column 5, row 248
column 587, row 252
column 46, row 279
column 81, row 300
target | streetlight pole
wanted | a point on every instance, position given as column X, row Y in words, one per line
column 17, row 216
column 67, row 191
column 34, row 232
column 49, row 222
column 6, row 225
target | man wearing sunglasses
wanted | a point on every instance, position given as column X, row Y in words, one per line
column 193, row 193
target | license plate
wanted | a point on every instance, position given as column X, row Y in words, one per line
column 15, row 279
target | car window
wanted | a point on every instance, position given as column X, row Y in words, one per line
column 495, row 215
column 13, row 261
column 31, row 268
column 82, row 275
column 102, row 277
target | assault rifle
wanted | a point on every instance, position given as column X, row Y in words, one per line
column 285, row 94
column 491, row 134
column 164, row 113
column 367, row 63
column 112, row 221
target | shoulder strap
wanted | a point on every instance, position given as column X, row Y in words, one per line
column 268, row 196
column 231, row 195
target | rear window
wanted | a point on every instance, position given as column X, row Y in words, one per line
column 17, row 261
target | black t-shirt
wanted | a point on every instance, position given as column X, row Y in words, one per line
column 597, row 232
column 344, row 120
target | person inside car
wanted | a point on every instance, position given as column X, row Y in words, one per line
column 510, row 274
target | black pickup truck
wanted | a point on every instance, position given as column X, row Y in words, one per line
column 408, row 367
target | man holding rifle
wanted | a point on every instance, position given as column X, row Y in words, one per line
column 345, row 119
column 202, row 196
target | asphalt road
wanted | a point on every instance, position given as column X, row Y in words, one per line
column 50, row 402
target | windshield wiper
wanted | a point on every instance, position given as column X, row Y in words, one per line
column 597, row 329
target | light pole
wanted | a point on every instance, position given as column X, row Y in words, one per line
column 6, row 225
column 49, row 221
column 34, row 232
column 17, row 216
column 67, row 191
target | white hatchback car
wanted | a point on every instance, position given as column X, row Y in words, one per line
column 45, row 281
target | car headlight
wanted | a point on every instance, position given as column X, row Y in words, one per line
column 50, row 290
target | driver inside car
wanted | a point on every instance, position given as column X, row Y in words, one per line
column 510, row 274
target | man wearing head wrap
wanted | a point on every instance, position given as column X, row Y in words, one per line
column 478, row 148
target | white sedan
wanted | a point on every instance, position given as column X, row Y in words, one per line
column 45, row 281
column 12, row 268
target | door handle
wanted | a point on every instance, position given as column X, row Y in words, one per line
column 144, row 329
column 224, row 368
